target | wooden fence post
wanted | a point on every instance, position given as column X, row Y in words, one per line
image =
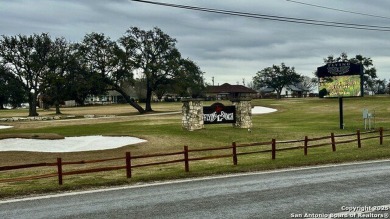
column 273, row 149
column 234, row 147
column 186, row 161
column 305, row 145
column 381, row 135
column 358, row 139
column 59, row 168
column 333, row 141
column 128, row 165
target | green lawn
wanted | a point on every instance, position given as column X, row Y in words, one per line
column 295, row 119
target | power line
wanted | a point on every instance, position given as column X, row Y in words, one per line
column 340, row 10
column 272, row 17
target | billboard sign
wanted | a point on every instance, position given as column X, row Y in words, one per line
column 340, row 79
column 218, row 113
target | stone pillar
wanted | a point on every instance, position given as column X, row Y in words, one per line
column 192, row 111
column 243, row 113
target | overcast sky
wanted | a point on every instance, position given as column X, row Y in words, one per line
column 229, row 48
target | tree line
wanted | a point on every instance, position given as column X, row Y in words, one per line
column 58, row 70
column 280, row 76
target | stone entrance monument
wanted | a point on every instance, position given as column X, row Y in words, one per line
column 193, row 114
column 243, row 113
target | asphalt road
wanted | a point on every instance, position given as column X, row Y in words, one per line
column 352, row 190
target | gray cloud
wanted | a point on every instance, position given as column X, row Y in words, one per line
column 228, row 48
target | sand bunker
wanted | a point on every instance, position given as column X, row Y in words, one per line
column 69, row 144
column 262, row 110
column 86, row 143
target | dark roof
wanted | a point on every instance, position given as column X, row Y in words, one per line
column 298, row 87
column 227, row 88
column 267, row 89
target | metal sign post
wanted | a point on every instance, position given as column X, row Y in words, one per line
column 339, row 80
column 367, row 116
column 341, row 113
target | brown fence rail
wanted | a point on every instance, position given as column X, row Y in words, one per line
column 193, row 155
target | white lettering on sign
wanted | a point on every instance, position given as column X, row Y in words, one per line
column 214, row 116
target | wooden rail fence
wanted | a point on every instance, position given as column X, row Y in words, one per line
column 306, row 143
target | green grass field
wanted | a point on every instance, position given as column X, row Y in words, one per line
column 294, row 119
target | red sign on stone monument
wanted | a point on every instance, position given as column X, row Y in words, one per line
column 218, row 113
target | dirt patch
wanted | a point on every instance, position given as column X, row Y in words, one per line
column 50, row 136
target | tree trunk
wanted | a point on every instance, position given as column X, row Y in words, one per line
column 58, row 111
column 133, row 104
column 32, row 101
column 278, row 92
column 148, row 106
column 130, row 101
column 127, row 98
column 1, row 103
